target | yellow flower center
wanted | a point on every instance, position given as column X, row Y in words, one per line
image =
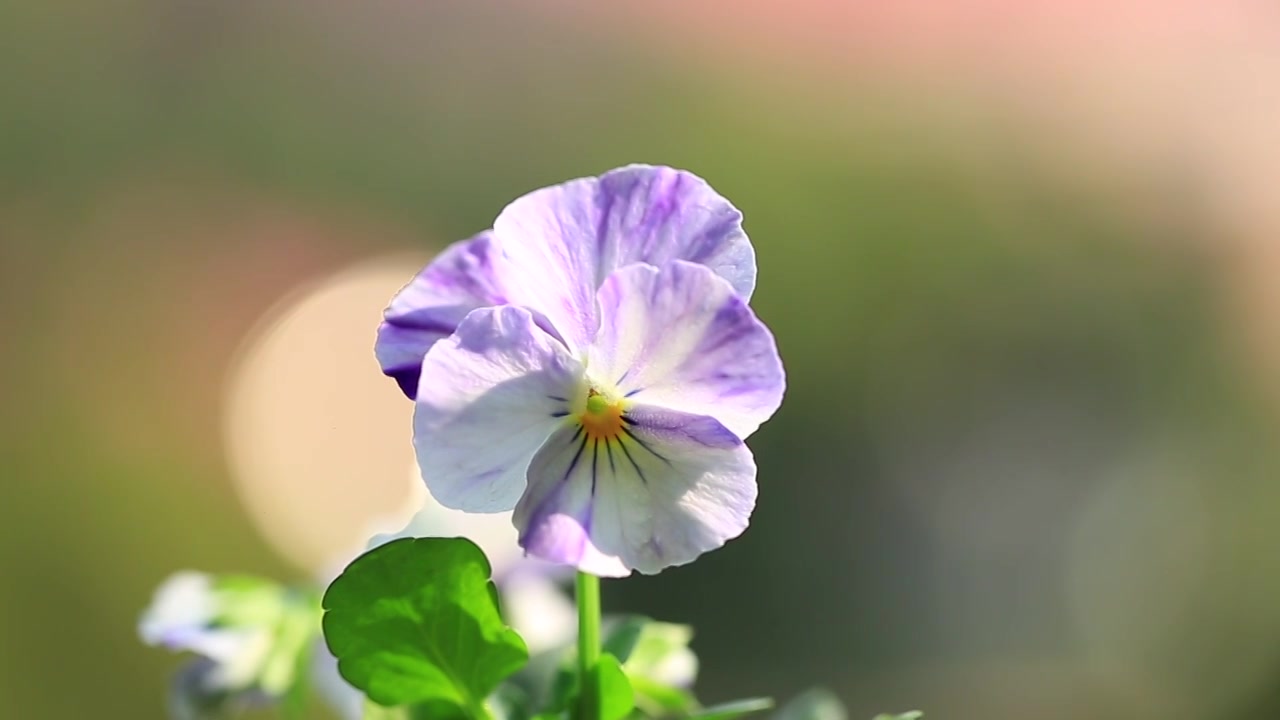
column 602, row 418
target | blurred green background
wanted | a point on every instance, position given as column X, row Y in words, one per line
column 1020, row 259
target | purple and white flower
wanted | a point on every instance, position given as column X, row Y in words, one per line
column 186, row 614
column 247, row 634
column 592, row 362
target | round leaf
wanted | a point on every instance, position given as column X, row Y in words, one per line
column 616, row 698
column 416, row 621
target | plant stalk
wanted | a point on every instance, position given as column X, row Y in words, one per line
column 588, row 594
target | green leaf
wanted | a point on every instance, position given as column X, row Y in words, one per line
column 612, row 688
column 443, row 710
column 912, row 715
column 623, row 635
column 416, row 622
column 564, row 686
column 287, row 668
column 248, row 601
column 293, row 704
column 661, row 653
column 814, row 704
column 427, row 711
column 735, row 709
column 658, row 662
column 661, row 700
column 509, row 702
column 616, row 699
column 374, row 711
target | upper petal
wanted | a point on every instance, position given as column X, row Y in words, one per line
column 491, row 394
column 672, row 487
column 568, row 238
column 681, row 338
column 465, row 276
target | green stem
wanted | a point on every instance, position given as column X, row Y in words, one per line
column 588, row 587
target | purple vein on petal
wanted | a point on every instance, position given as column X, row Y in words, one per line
column 634, row 464
column 576, row 456
column 421, row 322
column 661, row 209
column 608, row 449
column 595, row 461
column 645, row 445
column 602, row 234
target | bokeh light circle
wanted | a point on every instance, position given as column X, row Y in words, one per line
column 316, row 438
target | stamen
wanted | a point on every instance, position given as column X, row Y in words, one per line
column 602, row 418
column 597, row 404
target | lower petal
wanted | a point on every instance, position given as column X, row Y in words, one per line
column 668, row 488
column 491, row 394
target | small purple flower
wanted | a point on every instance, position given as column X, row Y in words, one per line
column 593, row 363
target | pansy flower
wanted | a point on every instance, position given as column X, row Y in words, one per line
column 592, row 362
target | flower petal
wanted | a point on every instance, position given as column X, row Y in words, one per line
column 672, row 487
column 681, row 338
column 463, row 277
column 182, row 608
column 568, row 238
column 495, row 392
